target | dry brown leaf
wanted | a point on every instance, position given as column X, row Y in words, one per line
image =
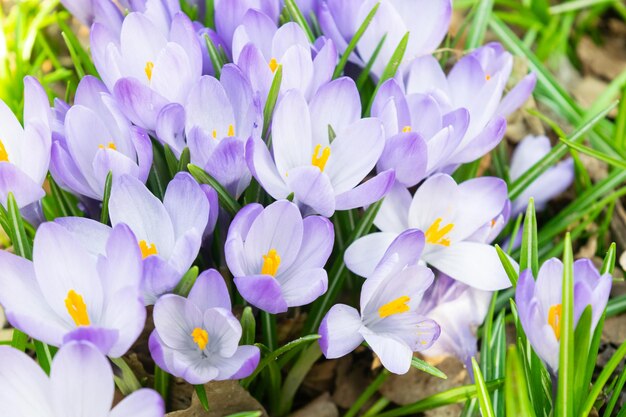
column 607, row 60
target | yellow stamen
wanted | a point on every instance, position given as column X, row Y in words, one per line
column 147, row 249
column 406, row 129
column 271, row 262
column 148, row 69
column 435, row 235
column 200, row 337
column 110, row 145
column 231, row 131
column 214, row 134
column 77, row 308
column 554, row 320
column 487, row 77
column 397, row 306
column 320, row 161
column 273, row 64
column 4, row 156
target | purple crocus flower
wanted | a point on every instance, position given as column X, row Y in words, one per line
column 476, row 83
column 67, row 293
column 93, row 138
column 539, row 303
column 459, row 309
column 278, row 258
column 216, row 120
column 154, row 60
column 259, row 47
column 169, row 233
column 104, row 12
column 80, row 385
column 449, row 215
column 548, row 185
column 389, row 320
column 322, row 151
column 420, row 136
column 426, row 20
column 230, row 13
column 196, row 338
column 25, row 151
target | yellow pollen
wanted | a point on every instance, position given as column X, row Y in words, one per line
column 231, row 131
column 77, row 308
column 487, row 77
column 147, row 249
column 435, row 235
column 148, row 69
column 493, row 222
column 273, row 64
column 320, row 161
column 200, row 337
column 271, row 262
column 406, row 129
column 554, row 320
column 110, row 145
column 4, row 156
column 214, row 134
column 397, row 306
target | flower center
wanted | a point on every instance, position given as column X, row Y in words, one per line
column 273, row 64
column 77, row 308
column 110, row 145
column 487, row 77
column 147, row 249
column 200, row 337
column 397, row 306
column 554, row 320
column 4, row 156
column 320, row 161
column 434, row 235
column 148, row 69
column 230, row 134
column 406, row 129
column 271, row 262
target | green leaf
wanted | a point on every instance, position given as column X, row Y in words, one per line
column 354, row 41
column 451, row 396
column 391, row 68
column 424, row 366
column 565, row 392
column 19, row 340
column 603, row 378
column 80, row 58
column 248, row 326
column 529, row 258
column 364, row 76
column 515, row 387
column 484, row 401
column 170, row 160
column 590, row 365
column 511, row 273
column 615, row 395
column 159, row 173
column 201, row 392
column 184, row 160
column 272, row 97
column 582, row 336
column 161, row 383
column 268, row 327
column 479, row 24
column 608, row 264
column 124, row 377
column 187, row 281
column 215, row 56
column 296, row 15
column 44, row 355
column 371, row 389
column 618, row 163
column 104, row 214
column 22, row 245
column 246, row 414
column 296, row 375
column 226, row 200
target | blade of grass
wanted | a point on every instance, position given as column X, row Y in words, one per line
column 479, row 24
column 296, row 15
column 272, row 97
column 367, row 394
column 515, row 387
column 484, row 400
column 565, row 392
column 424, row 366
column 603, row 378
column 104, row 214
column 226, row 200
column 529, row 258
column 511, row 273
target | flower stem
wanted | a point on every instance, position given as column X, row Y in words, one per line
column 367, row 394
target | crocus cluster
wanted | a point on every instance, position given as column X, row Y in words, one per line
column 236, row 156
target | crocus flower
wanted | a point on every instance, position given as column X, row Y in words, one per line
column 196, row 338
column 389, row 320
column 93, row 138
column 154, row 60
column 66, row 293
column 420, row 136
column 276, row 257
column 539, row 303
column 80, row 385
column 216, row 120
column 459, row 309
column 549, row 184
column 229, row 14
column 427, row 22
column 169, row 233
column 449, row 215
column 259, row 47
column 25, row 151
column 476, row 83
column 103, row 11
column 322, row 151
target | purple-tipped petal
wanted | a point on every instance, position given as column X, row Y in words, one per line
column 262, row 291
column 339, row 331
column 367, row 193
